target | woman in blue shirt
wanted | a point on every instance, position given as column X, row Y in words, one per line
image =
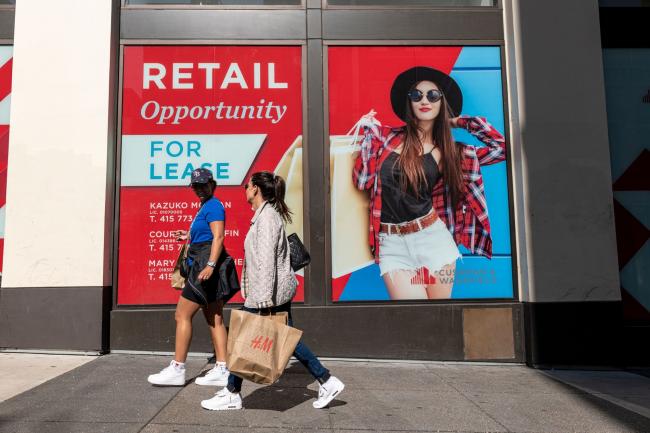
column 210, row 281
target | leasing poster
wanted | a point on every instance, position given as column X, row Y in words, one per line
column 423, row 260
column 232, row 109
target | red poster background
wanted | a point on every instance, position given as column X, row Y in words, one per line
column 360, row 78
column 141, row 281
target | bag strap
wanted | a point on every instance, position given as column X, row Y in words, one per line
column 356, row 128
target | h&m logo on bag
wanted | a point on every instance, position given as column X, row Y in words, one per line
column 262, row 343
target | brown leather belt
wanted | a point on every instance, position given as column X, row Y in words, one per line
column 410, row 226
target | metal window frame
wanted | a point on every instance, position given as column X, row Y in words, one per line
column 7, row 22
column 325, row 5
column 124, row 5
column 118, row 144
column 509, row 169
column 315, row 86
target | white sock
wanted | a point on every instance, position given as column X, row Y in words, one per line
column 179, row 364
column 220, row 364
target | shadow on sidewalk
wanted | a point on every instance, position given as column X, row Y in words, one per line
column 288, row 392
column 632, row 420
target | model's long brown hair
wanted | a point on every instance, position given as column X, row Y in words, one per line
column 410, row 161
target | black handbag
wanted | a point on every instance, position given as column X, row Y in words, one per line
column 299, row 256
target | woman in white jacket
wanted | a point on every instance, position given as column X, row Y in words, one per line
column 269, row 283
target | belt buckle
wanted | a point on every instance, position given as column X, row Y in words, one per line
column 398, row 230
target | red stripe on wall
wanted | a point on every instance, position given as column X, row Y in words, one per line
column 5, row 79
column 4, row 156
column 4, row 146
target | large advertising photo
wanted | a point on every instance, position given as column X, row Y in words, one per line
column 418, row 174
column 231, row 109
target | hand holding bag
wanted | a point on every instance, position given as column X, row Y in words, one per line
column 259, row 347
column 178, row 277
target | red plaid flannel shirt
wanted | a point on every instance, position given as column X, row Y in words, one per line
column 468, row 223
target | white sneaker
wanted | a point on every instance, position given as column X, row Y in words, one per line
column 328, row 391
column 174, row 375
column 223, row 400
column 217, row 376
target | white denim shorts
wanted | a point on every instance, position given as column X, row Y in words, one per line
column 432, row 248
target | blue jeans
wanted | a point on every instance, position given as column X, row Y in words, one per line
column 302, row 353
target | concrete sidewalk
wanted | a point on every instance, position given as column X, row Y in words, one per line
column 110, row 394
column 22, row 371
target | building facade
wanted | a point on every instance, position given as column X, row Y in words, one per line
column 112, row 104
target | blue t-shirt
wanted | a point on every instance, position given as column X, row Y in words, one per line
column 212, row 210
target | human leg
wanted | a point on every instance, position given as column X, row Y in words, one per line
column 329, row 386
column 213, row 313
column 444, row 282
column 185, row 311
column 400, row 285
column 218, row 375
column 174, row 374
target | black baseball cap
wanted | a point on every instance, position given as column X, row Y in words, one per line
column 201, row 175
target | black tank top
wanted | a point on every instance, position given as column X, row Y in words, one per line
column 399, row 206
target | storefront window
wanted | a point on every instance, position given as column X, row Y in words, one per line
column 215, row 2
column 407, row 3
column 234, row 110
column 396, row 238
column 628, row 109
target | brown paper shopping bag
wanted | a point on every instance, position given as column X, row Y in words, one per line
column 290, row 168
column 177, row 280
column 259, row 347
column 349, row 207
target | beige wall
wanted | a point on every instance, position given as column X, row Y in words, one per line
column 56, row 187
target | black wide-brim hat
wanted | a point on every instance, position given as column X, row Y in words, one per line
column 407, row 79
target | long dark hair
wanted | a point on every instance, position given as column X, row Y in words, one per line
column 272, row 188
column 410, row 162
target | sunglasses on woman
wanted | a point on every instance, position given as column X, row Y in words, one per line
column 433, row 95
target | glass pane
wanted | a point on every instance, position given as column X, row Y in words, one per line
column 214, row 2
column 371, row 261
column 406, row 3
column 233, row 110
column 628, row 104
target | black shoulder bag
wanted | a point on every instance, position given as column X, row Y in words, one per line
column 299, row 256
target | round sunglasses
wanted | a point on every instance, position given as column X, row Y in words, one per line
column 433, row 95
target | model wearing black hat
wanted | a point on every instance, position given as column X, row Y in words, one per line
column 415, row 250
column 205, row 288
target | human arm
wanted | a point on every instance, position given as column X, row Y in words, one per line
column 261, row 271
column 495, row 147
column 363, row 173
column 217, row 228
